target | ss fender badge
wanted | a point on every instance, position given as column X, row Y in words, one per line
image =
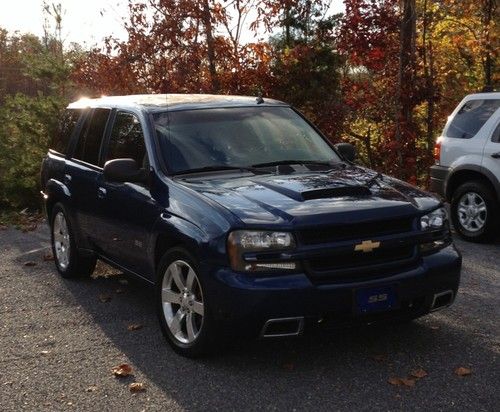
column 366, row 246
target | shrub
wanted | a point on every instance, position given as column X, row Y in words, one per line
column 26, row 124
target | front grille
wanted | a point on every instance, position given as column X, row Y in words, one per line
column 364, row 230
column 359, row 266
column 360, row 259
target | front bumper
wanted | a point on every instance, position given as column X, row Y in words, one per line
column 439, row 176
column 247, row 301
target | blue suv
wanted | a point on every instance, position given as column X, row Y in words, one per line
column 243, row 216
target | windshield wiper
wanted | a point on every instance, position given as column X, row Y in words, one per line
column 216, row 168
column 292, row 162
column 375, row 179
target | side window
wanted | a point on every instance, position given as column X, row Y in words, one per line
column 127, row 139
column 471, row 117
column 495, row 137
column 91, row 135
column 67, row 124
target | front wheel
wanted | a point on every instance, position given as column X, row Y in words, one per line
column 474, row 211
column 70, row 263
column 182, row 305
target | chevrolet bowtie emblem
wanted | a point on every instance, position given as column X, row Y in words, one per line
column 366, row 246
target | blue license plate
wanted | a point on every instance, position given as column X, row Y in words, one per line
column 375, row 299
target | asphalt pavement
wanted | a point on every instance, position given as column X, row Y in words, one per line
column 60, row 339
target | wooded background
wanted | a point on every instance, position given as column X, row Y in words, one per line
column 384, row 75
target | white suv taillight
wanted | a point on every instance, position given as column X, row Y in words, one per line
column 437, row 151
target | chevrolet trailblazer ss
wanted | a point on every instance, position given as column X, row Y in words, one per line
column 242, row 215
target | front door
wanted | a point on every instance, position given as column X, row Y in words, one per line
column 127, row 210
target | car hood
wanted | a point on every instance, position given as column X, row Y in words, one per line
column 302, row 196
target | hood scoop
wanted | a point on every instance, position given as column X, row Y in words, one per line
column 342, row 191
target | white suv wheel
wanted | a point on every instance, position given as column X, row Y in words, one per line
column 472, row 211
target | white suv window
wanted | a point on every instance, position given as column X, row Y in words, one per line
column 471, row 117
column 495, row 137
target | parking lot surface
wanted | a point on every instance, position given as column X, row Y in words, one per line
column 60, row 339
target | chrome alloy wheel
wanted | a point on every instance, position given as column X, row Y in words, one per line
column 182, row 301
column 62, row 243
column 472, row 212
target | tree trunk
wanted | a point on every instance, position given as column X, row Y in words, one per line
column 287, row 25
column 207, row 22
column 406, row 78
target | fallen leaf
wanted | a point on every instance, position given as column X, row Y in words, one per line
column 44, row 352
column 434, row 327
column 289, row 366
column 121, row 371
column 379, row 358
column 92, row 388
column 3, row 227
column 48, row 257
column 401, row 381
column 119, row 291
column 134, row 326
column 408, row 382
column 419, row 373
column 30, row 263
column 463, row 371
column 395, row 381
column 137, row 387
column 104, row 298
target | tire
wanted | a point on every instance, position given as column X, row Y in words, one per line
column 475, row 211
column 182, row 306
column 70, row 263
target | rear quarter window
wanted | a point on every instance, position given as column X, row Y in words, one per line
column 471, row 117
column 91, row 135
column 67, row 124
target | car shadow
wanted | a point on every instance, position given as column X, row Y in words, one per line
column 283, row 371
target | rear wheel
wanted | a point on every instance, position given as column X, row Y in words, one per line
column 70, row 263
column 182, row 305
column 475, row 211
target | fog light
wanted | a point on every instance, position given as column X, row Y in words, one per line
column 432, row 246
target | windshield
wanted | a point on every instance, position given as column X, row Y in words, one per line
column 237, row 137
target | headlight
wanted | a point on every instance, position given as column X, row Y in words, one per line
column 247, row 241
column 434, row 220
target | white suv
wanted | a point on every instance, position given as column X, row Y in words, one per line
column 467, row 169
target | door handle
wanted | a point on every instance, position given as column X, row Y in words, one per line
column 496, row 155
column 101, row 192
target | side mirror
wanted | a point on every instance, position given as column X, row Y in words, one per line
column 124, row 170
column 347, row 151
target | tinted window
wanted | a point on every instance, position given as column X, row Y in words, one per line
column 471, row 117
column 91, row 135
column 236, row 137
column 495, row 137
column 127, row 140
column 67, row 123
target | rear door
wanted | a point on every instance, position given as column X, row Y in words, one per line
column 83, row 171
column 127, row 210
column 491, row 157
